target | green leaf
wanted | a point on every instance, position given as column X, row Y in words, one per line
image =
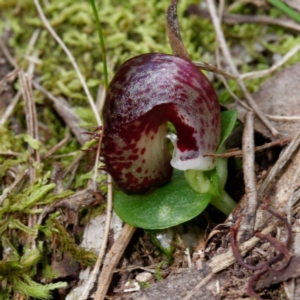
column 170, row 205
column 229, row 118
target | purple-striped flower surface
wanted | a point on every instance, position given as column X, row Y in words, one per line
column 146, row 92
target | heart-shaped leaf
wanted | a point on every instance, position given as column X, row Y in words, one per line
column 167, row 206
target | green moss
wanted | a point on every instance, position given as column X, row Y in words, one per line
column 158, row 273
column 67, row 244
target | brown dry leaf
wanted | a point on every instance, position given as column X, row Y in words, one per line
column 284, row 190
column 64, row 266
column 278, row 96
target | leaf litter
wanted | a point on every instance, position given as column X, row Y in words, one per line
column 278, row 98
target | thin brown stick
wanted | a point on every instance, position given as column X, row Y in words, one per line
column 283, row 118
column 31, row 118
column 214, row 69
column 150, row 268
column 32, row 129
column 73, row 163
column 9, row 78
column 97, row 158
column 233, row 19
column 13, row 185
column 10, row 108
column 247, row 226
column 117, row 249
column 111, row 260
column 30, row 70
column 7, row 55
column 72, row 176
column 56, row 147
column 239, row 153
column 223, row 261
column 284, row 59
column 227, row 55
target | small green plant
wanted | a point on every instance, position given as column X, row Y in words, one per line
column 144, row 285
column 146, row 92
column 158, row 273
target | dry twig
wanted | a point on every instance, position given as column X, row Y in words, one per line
column 118, row 248
column 278, row 64
column 73, row 164
column 214, row 69
column 111, row 260
column 13, row 185
column 9, row 78
column 32, row 129
column 10, row 108
column 31, row 119
column 247, row 227
column 239, row 153
column 56, row 147
column 7, row 55
column 227, row 55
column 223, row 261
column 233, row 19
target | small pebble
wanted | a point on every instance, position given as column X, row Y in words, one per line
column 144, row 277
